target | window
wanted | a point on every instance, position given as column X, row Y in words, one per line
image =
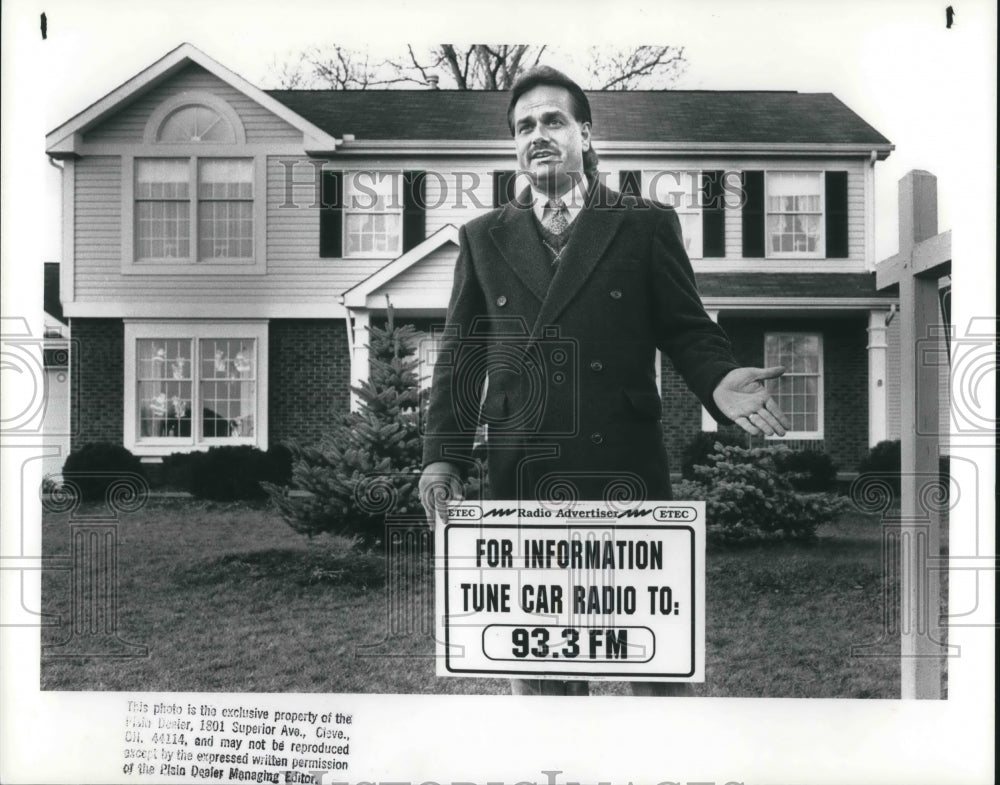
column 225, row 209
column 799, row 392
column 196, row 203
column 794, row 213
column 162, row 209
column 680, row 190
column 194, row 385
column 223, row 222
column 196, row 123
column 373, row 214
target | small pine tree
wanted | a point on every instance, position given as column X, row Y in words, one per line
column 368, row 464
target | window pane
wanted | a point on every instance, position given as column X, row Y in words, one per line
column 374, row 191
column 162, row 230
column 798, row 391
column 225, row 230
column 679, row 189
column 162, row 218
column 793, row 184
column 196, row 124
column 228, row 388
column 794, row 207
column 691, row 230
column 161, row 178
column 368, row 233
column 163, row 373
column 225, row 178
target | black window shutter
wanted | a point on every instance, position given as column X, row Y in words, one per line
column 414, row 209
column 753, row 214
column 331, row 215
column 713, row 215
column 836, row 215
column 630, row 183
column 503, row 187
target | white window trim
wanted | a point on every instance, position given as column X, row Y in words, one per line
column 381, row 175
column 140, row 329
column 820, row 252
column 257, row 263
column 805, row 435
column 191, row 98
column 690, row 203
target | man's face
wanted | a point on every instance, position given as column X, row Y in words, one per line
column 550, row 142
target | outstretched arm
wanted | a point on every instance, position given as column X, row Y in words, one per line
column 742, row 397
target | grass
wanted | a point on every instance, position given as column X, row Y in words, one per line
column 228, row 598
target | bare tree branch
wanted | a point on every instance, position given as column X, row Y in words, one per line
column 475, row 67
column 645, row 66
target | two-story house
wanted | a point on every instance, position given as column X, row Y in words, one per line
column 226, row 246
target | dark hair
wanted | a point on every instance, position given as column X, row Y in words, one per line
column 546, row 75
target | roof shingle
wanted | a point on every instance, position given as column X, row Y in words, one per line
column 629, row 116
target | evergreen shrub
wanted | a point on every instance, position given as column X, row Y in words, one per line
column 749, row 498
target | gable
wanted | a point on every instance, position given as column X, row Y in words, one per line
column 129, row 123
column 433, row 273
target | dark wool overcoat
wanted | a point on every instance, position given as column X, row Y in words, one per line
column 570, row 403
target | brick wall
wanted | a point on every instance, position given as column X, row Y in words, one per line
column 310, row 374
column 681, row 414
column 98, row 380
column 845, row 377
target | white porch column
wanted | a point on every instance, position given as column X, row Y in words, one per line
column 878, row 383
column 708, row 422
column 358, row 334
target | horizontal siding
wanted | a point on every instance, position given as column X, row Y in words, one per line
column 434, row 272
column 129, row 124
column 733, row 225
column 295, row 272
column 97, row 224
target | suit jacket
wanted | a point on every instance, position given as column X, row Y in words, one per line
column 571, row 404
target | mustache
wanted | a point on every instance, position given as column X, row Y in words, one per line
column 542, row 147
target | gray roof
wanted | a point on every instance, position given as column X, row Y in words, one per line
column 698, row 116
column 750, row 285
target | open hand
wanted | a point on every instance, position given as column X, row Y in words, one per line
column 742, row 397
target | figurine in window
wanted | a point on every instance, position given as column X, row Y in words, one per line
column 158, row 406
column 177, row 368
column 180, row 408
column 242, row 362
column 160, row 363
column 220, row 361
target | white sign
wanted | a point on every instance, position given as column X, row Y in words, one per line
column 582, row 590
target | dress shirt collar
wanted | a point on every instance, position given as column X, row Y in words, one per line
column 575, row 199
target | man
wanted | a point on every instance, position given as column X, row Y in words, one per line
column 559, row 302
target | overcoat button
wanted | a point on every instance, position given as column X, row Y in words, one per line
column 597, row 438
column 616, row 294
column 597, row 365
column 501, row 301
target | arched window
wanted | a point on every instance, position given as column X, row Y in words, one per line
column 195, row 187
column 196, row 123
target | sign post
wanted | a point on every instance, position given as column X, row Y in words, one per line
column 924, row 257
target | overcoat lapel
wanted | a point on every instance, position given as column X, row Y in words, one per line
column 596, row 225
column 517, row 240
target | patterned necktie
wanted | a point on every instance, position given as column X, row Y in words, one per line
column 555, row 216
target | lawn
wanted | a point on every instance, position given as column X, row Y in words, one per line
column 227, row 598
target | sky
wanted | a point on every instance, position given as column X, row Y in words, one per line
column 894, row 63
column 929, row 90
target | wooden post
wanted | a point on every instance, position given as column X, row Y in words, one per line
column 924, row 256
